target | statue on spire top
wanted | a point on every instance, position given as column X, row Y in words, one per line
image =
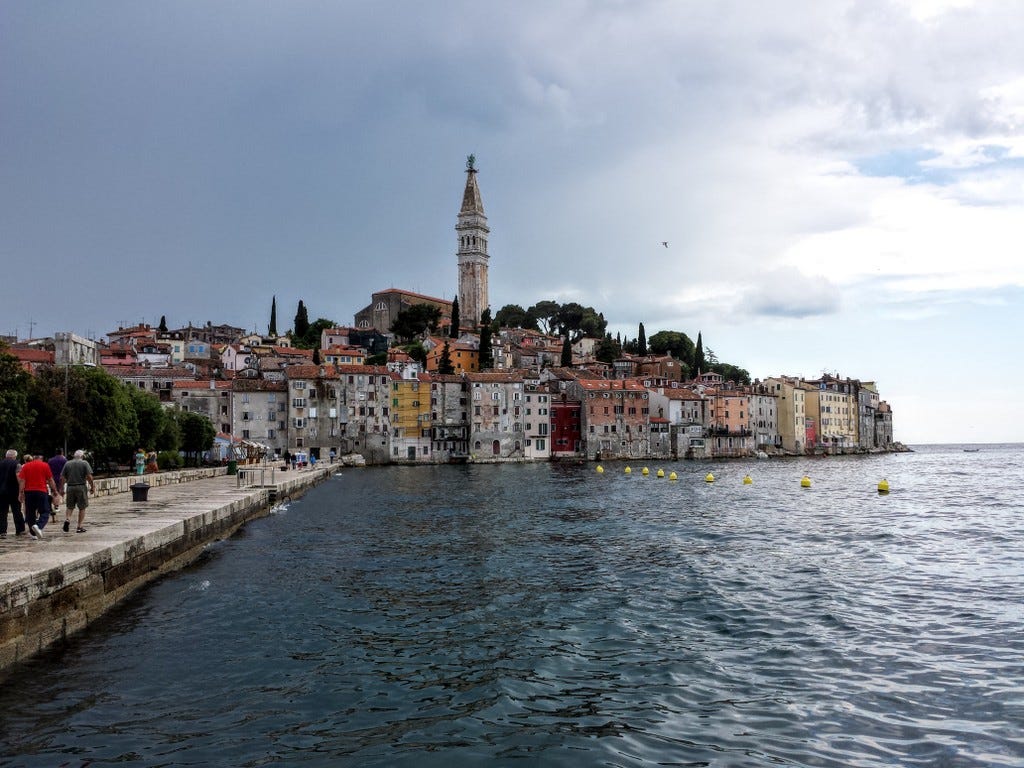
column 471, row 163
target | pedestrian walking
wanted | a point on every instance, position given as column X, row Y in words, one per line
column 34, row 481
column 9, row 499
column 75, row 478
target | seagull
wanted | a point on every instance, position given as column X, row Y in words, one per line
column 665, row 243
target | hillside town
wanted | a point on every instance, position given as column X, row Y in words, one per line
column 511, row 394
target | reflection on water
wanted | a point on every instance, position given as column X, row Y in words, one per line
column 491, row 614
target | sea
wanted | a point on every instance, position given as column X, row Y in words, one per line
column 554, row 615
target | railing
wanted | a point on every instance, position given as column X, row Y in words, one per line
column 247, row 476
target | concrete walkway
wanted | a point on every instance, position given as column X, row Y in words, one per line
column 53, row 587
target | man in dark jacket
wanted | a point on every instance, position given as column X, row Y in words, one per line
column 9, row 494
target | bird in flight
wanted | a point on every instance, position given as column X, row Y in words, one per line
column 665, row 243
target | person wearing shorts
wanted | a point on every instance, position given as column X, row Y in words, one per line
column 35, row 480
column 76, row 480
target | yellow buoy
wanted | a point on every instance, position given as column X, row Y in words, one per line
column 661, row 473
column 600, row 469
column 644, row 471
column 747, row 480
column 883, row 487
column 629, row 471
column 805, row 482
column 672, row 476
column 709, row 478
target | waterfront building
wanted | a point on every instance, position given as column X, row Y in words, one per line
column 472, row 231
column 497, row 427
column 410, row 416
column 259, row 412
column 792, row 412
column 686, row 412
column 449, row 417
column 867, row 407
column 831, row 402
column 883, row 426
column 615, row 416
column 315, row 418
column 764, row 418
column 537, row 420
column 210, row 398
column 566, row 424
column 729, row 423
column 365, row 417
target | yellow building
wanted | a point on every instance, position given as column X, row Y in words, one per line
column 410, row 419
column 792, row 412
column 832, row 403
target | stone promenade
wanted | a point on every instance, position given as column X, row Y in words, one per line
column 52, row 588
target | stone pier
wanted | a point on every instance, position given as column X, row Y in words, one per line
column 52, row 588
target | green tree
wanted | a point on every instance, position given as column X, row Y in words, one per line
column 314, row 330
column 415, row 321
column 514, row 316
column 152, row 421
column 15, row 415
column 566, row 360
column 301, row 321
column 197, row 434
column 316, row 355
column 699, row 363
column 486, row 353
column 608, row 350
column 731, row 372
column 416, row 351
column 641, row 341
column 444, row 365
column 675, row 343
column 163, row 324
column 378, row 359
column 545, row 315
column 272, row 328
column 453, row 331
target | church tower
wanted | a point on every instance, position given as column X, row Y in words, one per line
column 472, row 231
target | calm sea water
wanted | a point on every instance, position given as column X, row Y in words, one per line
column 548, row 615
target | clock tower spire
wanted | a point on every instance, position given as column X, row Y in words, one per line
column 472, row 231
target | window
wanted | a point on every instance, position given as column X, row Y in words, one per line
column 245, row 434
column 299, row 385
column 298, row 402
column 299, row 423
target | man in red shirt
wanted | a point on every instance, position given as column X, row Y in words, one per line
column 34, row 481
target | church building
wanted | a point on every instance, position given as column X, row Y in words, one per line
column 472, row 233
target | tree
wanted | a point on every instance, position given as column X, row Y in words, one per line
column 699, row 363
column 641, row 341
column 152, row 421
column 486, row 353
column 514, row 316
column 316, row 355
column 545, row 315
column 197, row 434
column 416, row 351
column 311, row 339
column 415, row 321
column 453, row 330
column 272, row 328
column 608, row 350
column 378, row 359
column 731, row 372
column 163, row 324
column 566, row 360
column 444, row 365
column 675, row 343
column 15, row 415
column 301, row 321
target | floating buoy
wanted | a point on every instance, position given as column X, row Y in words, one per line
column 709, row 478
column 644, row 471
column 673, row 476
column 805, row 482
column 747, row 480
column 629, row 471
column 600, row 469
column 883, row 487
column 661, row 473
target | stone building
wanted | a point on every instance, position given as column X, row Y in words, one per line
column 497, row 415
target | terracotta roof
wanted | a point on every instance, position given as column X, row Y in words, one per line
column 201, row 384
column 311, row 371
column 410, row 293
column 681, row 394
column 258, row 385
column 379, row 370
column 510, row 377
column 604, row 385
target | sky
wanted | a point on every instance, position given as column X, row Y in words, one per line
column 841, row 184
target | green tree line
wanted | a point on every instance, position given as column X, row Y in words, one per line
column 87, row 408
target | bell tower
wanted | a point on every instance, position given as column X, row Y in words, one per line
column 472, row 233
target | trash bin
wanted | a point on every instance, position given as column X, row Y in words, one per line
column 140, row 492
column 232, row 467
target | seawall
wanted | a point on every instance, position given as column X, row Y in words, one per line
column 53, row 588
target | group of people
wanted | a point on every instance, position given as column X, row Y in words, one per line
column 39, row 486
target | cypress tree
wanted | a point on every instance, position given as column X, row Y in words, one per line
column 566, row 360
column 163, row 324
column 272, row 329
column 641, row 341
column 316, row 355
column 698, row 357
column 454, row 330
column 486, row 354
column 444, row 365
column 301, row 322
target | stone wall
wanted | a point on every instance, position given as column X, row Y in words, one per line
column 108, row 486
